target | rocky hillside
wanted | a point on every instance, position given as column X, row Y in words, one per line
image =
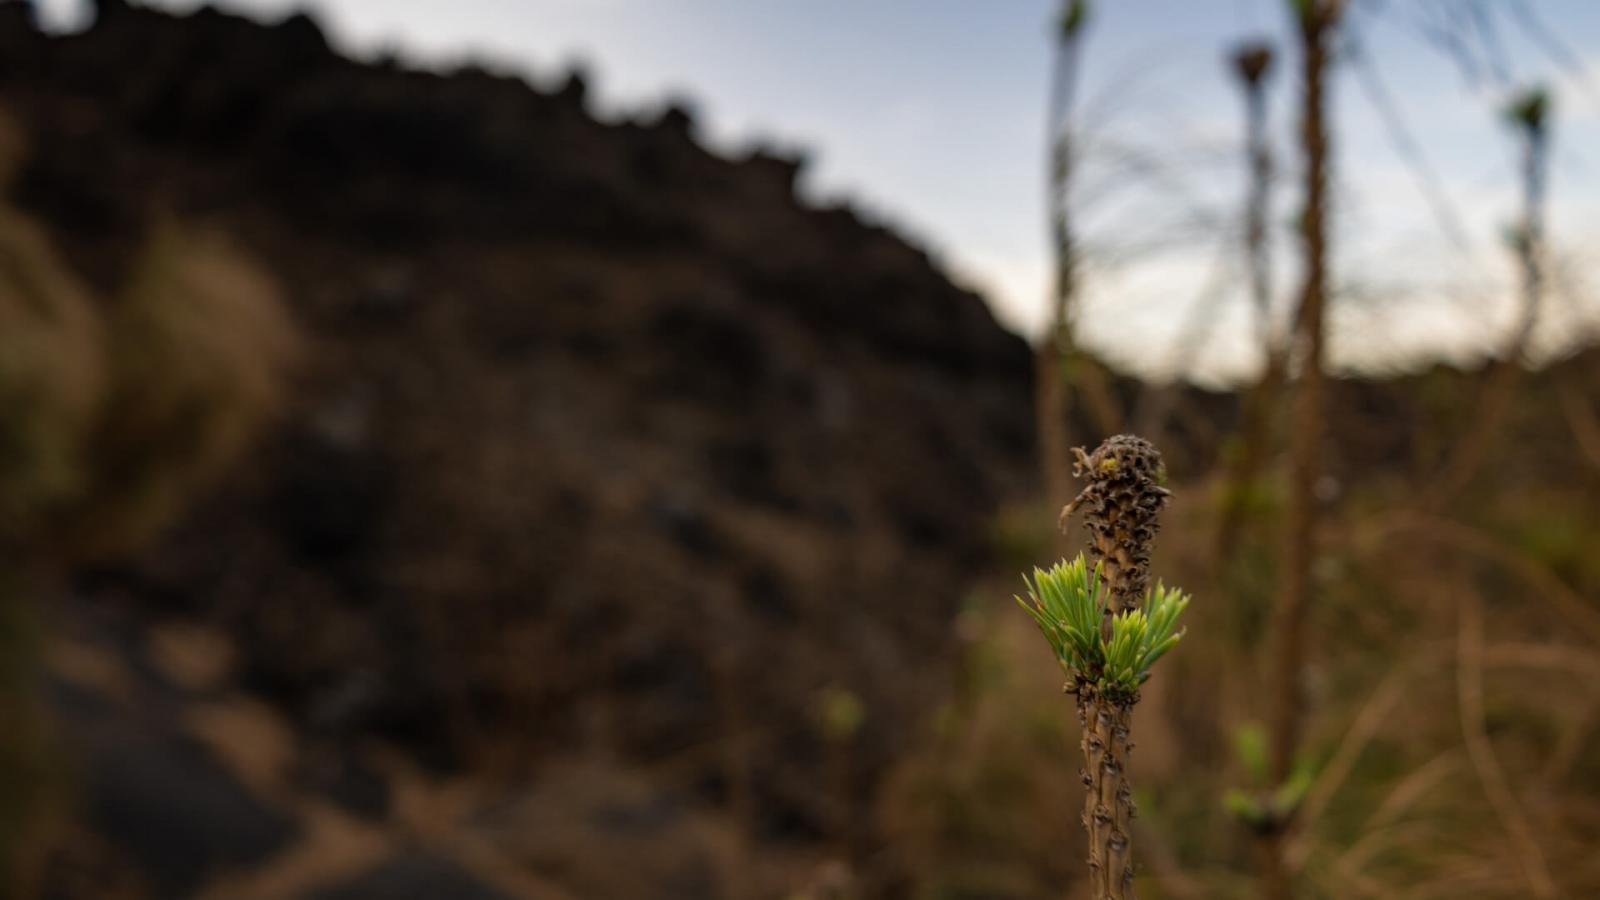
column 609, row 483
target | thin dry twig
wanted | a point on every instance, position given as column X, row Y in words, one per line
column 1480, row 751
column 1349, row 867
column 1365, row 726
column 1367, row 722
column 1319, row 24
column 1573, row 607
column 1411, row 789
column 1378, row 836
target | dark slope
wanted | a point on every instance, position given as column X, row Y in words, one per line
column 602, row 445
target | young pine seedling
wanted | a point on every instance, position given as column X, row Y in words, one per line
column 1107, row 628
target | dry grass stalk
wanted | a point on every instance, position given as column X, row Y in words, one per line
column 1469, row 680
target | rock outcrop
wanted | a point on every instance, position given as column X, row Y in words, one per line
column 600, row 450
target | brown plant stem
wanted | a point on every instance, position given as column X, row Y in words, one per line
column 1108, row 800
column 1500, row 382
column 1055, row 453
column 1305, row 443
column 1121, row 502
column 1255, row 437
column 1057, row 364
column 1318, row 20
column 1055, row 345
column 1252, row 63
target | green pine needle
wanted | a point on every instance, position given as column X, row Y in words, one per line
column 1069, row 605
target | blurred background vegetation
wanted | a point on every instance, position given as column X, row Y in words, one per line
column 412, row 485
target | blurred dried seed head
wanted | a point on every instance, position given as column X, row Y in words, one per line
column 1252, row 61
column 1529, row 110
column 1074, row 13
column 1120, row 505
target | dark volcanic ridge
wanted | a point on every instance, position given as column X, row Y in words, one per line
column 599, row 445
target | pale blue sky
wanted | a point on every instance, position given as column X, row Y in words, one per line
column 929, row 114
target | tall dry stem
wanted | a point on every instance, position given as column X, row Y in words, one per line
column 1057, row 365
column 1317, row 22
column 1529, row 115
column 1252, row 64
column 1055, row 344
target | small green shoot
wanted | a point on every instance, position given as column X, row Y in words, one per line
column 1069, row 605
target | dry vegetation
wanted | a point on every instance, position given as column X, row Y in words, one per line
column 584, row 584
column 116, row 414
column 1450, row 745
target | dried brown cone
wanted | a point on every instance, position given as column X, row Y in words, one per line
column 1252, row 61
column 1121, row 504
